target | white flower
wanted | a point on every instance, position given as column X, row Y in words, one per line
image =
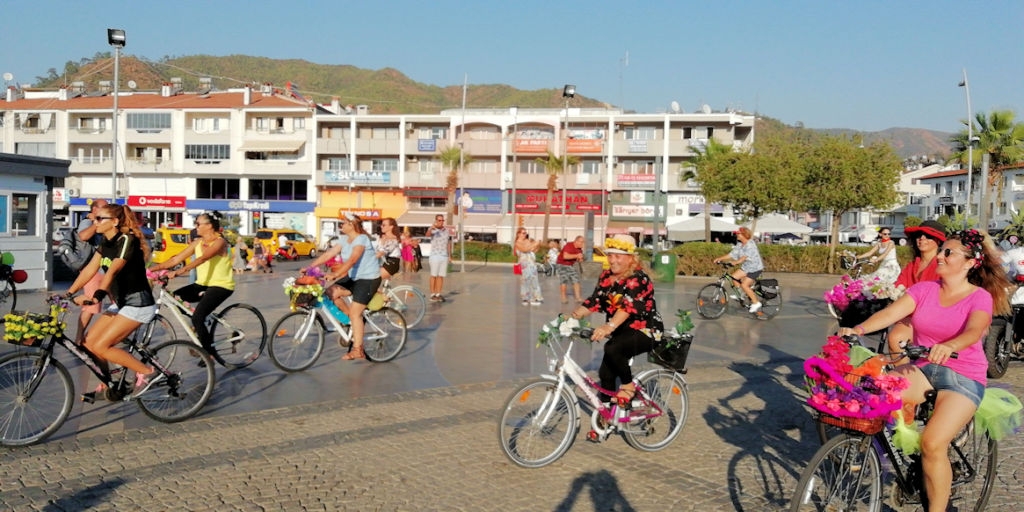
column 567, row 326
column 288, row 283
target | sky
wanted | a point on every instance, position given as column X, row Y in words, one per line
column 866, row 65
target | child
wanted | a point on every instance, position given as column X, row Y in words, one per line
column 552, row 257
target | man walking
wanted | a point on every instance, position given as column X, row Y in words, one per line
column 439, row 237
column 87, row 234
column 568, row 258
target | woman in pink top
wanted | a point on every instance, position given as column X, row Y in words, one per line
column 949, row 315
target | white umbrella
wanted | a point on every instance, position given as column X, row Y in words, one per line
column 775, row 223
column 693, row 228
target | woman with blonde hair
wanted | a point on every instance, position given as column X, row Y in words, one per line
column 529, row 283
column 625, row 294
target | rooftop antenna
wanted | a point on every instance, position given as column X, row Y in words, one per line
column 705, row 108
column 132, row 84
column 623, row 63
column 7, row 79
column 675, row 107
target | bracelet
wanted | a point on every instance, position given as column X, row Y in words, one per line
column 612, row 325
column 859, row 329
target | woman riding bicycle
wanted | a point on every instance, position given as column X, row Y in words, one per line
column 215, row 281
column 949, row 315
column 358, row 276
column 625, row 294
column 748, row 257
column 122, row 255
column 885, row 251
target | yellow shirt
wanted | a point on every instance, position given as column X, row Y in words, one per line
column 215, row 271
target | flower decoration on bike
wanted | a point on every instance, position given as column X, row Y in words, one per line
column 561, row 326
column 851, row 388
column 860, row 290
column 27, row 329
column 302, row 292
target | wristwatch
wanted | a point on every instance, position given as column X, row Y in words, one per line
column 612, row 325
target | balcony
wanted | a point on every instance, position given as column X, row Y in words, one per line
column 157, row 164
column 332, row 146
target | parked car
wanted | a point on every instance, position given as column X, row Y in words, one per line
column 600, row 257
column 168, row 241
column 304, row 244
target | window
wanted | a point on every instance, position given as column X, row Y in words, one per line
column 640, row 133
column 270, row 155
column 44, row 149
column 636, row 167
column 384, row 164
column 282, row 190
column 339, row 132
column 206, row 125
column 432, row 202
column 385, row 133
column 217, row 188
column 149, row 121
column 92, row 124
column 24, row 215
column 531, row 167
column 207, row 152
column 590, row 167
column 434, row 132
column 337, row 164
column 300, row 123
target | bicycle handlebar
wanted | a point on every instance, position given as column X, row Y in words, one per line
column 913, row 352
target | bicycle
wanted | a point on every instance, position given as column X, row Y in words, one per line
column 233, row 330
column 297, row 339
column 407, row 300
column 8, row 279
column 540, row 420
column 713, row 299
column 855, row 267
column 36, row 390
column 846, row 473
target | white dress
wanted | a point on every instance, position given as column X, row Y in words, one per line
column 889, row 268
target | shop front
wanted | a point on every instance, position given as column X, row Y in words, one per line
column 368, row 204
column 246, row 216
column 565, row 223
column 633, row 213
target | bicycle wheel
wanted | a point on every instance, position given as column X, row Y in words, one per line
column 538, row 424
column 296, row 341
column 385, row 334
column 769, row 306
column 844, row 474
column 667, row 390
column 712, row 301
column 410, row 302
column 33, row 405
column 158, row 330
column 239, row 335
column 997, row 349
column 187, row 385
column 975, row 471
column 8, row 297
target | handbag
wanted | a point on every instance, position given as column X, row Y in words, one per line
column 517, row 269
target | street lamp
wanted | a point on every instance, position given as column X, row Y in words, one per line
column 515, row 138
column 568, row 92
column 116, row 38
column 970, row 142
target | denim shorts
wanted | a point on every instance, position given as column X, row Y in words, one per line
column 141, row 314
column 943, row 377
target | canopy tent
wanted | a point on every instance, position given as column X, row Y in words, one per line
column 693, row 228
column 774, row 223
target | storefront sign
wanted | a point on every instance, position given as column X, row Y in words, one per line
column 225, row 205
column 643, row 211
column 484, row 200
column 635, row 180
column 532, row 145
column 156, row 201
column 426, row 192
column 358, row 177
column 426, row 145
column 363, row 213
column 584, row 146
column 579, row 201
column 637, row 146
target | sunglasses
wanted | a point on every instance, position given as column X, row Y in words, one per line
column 947, row 251
column 102, row 218
column 884, row 234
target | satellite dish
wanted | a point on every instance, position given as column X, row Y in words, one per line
column 675, row 106
column 705, row 108
column 8, row 77
column 132, row 84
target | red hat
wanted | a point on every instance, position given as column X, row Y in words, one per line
column 930, row 228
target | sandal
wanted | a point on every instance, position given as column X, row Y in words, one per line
column 355, row 353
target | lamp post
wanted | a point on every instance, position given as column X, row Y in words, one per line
column 515, row 138
column 115, row 37
column 568, row 92
column 970, row 141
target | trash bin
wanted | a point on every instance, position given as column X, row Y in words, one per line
column 665, row 266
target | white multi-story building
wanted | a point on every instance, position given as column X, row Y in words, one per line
column 267, row 158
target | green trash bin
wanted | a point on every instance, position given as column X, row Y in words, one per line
column 665, row 266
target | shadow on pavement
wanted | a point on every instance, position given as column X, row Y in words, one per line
column 86, row 498
column 604, row 492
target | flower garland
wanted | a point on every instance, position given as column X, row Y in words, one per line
column 290, row 288
column 612, row 243
column 30, row 327
column 562, row 326
column 850, row 290
column 838, row 388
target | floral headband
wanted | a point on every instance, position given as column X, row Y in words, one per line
column 973, row 241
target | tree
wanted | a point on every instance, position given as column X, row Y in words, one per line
column 555, row 165
column 451, row 157
column 766, row 179
column 709, row 168
column 843, row 175
column 999, row 136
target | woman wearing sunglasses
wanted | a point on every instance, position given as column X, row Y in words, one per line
column 884, row 251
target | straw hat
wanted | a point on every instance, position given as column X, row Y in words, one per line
column 620, row 244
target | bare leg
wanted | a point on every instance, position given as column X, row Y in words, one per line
column 109, row 331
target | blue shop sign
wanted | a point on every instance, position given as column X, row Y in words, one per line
column 255, row 205
column 484, row 200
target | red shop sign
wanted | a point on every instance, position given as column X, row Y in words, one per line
column 156, row 201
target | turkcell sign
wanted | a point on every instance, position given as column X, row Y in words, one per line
column 238, row 205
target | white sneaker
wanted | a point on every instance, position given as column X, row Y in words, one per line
column 536, row 303
column 755, row 307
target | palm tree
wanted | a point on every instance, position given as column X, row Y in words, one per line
column 998, row 135
column 451, row 157
column 554, row 165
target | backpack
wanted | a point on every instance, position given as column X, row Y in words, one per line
column 74, row 252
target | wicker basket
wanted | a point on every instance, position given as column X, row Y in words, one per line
column 671, row 352
column 302, row 300
column 868, row 426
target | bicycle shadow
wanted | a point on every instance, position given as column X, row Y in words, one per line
column 766, row 420
column 604, row 492
column 86, row 498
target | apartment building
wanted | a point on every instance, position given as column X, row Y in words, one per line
column 270, row 159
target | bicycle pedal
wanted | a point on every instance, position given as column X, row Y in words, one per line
column 593, row 436
column 624, row 402
column 89, row 398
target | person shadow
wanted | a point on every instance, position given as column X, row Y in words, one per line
column 86, row 498
column 604, row 493
column 766, row 419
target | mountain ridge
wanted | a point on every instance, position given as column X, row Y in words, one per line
column 386, row 90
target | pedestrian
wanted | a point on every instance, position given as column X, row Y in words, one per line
column 439, row 255
column 529, row 284
column 241, row 252
column 87, row 234
column 389, row 248
column 259, row 258
column 568, row 273
column 408, row 252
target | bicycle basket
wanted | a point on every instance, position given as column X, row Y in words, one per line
column 769, row 288
column 671, row 352
column 30, row 329
column 302, row 299
column 868, row 426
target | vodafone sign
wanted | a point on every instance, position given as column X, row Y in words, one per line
column 157, row 202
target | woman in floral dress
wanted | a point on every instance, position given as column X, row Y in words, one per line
column 529, row 284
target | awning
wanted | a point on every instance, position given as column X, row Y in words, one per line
column 281, row 146
column 628, row 227
column 419, row 219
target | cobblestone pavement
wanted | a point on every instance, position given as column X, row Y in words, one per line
column 436, row 448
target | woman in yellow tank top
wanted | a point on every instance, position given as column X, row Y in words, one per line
column 215, row 280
